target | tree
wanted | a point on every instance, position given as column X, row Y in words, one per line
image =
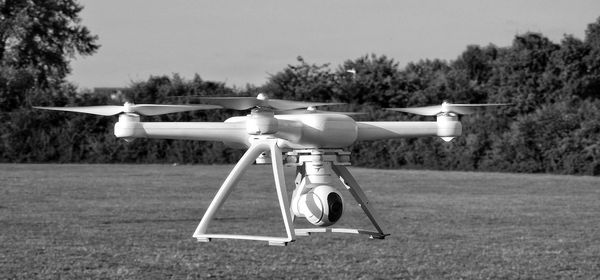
column 592, row 60
column 519, row 74
column 569, row 67
column 43, row 35
column 475, row 62
column 377, row 81
column 305, row 81
column 592, row 34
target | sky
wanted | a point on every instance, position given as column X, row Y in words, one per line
column 244, row 42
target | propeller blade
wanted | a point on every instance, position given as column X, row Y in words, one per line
column 143, row 109
column 284, row 105
column 304, row 112
column 461, row 109
column 106, row 110
column 161, row 109
column 467, row 109
column 235, row 103
column 245, row 103
column 423, row 111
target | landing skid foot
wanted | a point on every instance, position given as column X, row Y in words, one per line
column 378, row 236
column 309, row 231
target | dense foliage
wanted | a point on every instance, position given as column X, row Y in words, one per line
column 552, row 126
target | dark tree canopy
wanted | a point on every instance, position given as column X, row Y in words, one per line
column 42, row 35
column 552, row 125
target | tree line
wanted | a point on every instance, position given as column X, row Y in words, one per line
column 552, row 125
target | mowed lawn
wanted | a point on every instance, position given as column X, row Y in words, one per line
column 137, row 221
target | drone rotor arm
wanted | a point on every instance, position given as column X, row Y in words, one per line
column 228, row 132
column 390, row 130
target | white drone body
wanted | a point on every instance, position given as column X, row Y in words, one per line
column 274, row 132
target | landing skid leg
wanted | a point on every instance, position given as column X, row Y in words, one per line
column 258, row 146
column 360, row 197
column 314, row 167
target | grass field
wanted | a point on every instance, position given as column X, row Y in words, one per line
column 136, row 221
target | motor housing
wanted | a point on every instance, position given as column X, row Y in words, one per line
column 449, row 126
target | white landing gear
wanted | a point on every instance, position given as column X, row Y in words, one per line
column 314, row 168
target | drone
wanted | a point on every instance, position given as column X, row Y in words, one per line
column 287, row 133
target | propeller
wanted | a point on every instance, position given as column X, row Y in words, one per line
column 313, row 110
column 245, row 103
column 446, row 108
column 142, row 109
